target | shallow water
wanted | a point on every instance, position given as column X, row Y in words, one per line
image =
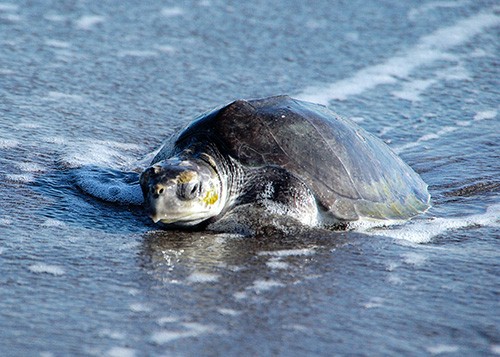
column 86, row 85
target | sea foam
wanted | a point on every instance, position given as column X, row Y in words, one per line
column 423, row 231
column 106, row 169
column 429, row 49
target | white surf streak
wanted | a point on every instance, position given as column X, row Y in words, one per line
column 423, row 231
column 42, row 268
column 87, row 22
column 188, row 329
column 429, row 49
column 413, row 14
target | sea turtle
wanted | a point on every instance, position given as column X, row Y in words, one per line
column 291, row 157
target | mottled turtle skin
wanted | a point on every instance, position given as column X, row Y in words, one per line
column 298, row 154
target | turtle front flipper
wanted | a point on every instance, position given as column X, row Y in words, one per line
column 279, row 193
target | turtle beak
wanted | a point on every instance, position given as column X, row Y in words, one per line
column 155, row 217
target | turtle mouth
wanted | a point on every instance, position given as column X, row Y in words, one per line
column 189, row 219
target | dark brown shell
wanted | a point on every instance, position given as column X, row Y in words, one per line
column 352, row 173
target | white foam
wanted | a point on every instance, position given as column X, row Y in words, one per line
column 95, row 152
column 11, row 17
column 167, row 320
column 46, row 269
column 411, row 90
column 240, row 295
column 428, row 50
column 64, row 96
column 137, row 53
column 53, row 223
column 439, row 349
column 55, row 17
column 111, row 190
column 485, row 115
column 115, row 335
column 259, row 286
column 426, row 137
column 202, row 277
column 87, row 22
column 413, row 258
column 276, row 264
column 172, row 11
column 190, row 330
column 5, row 7
column 57, row 43
column 289, row 252
column 6, row 71
column 413, row 14
column 394, row 279
column 229, row 312
column 121, row 352
column 166, row 49
column 5, row 221
column 8, row 143
column 374, row 303
column 30, row 167
column 46, row 354
column 139, row 307
column 423, row 231
column 20, row 178
column 495, row 348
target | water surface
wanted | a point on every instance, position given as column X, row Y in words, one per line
column 85, row 84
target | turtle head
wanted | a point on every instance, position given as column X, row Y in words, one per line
column 181, row 192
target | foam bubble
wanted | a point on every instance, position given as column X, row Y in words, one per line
column 190, row 330
column 137, row 53
column 109, row 185
column 8, row 143
column 416, row 259
column 374, row 303
column 58, row 96
column 5, row 221
column 424, row 138
column 139, row 307
column 413, row 14
column 411, row 91
column 20, row 178
column 264, row 285
column 11, row 17
column 439, row 349
column 167, row 320
column 115, row 335
column 423, row 231
column 172, row 11
column 55, row 17
column 30, row 167
column 120, row 352
column 202, row 277
column 289, row 252
column 484, row 115
column 46, row 269
column 53, row 223
column 5, row 7
column 229, row 312
column 57, row 43
column 87, row 22
column 276, row 264
column 166, row 49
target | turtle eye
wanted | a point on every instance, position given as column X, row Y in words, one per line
column 189, row 190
